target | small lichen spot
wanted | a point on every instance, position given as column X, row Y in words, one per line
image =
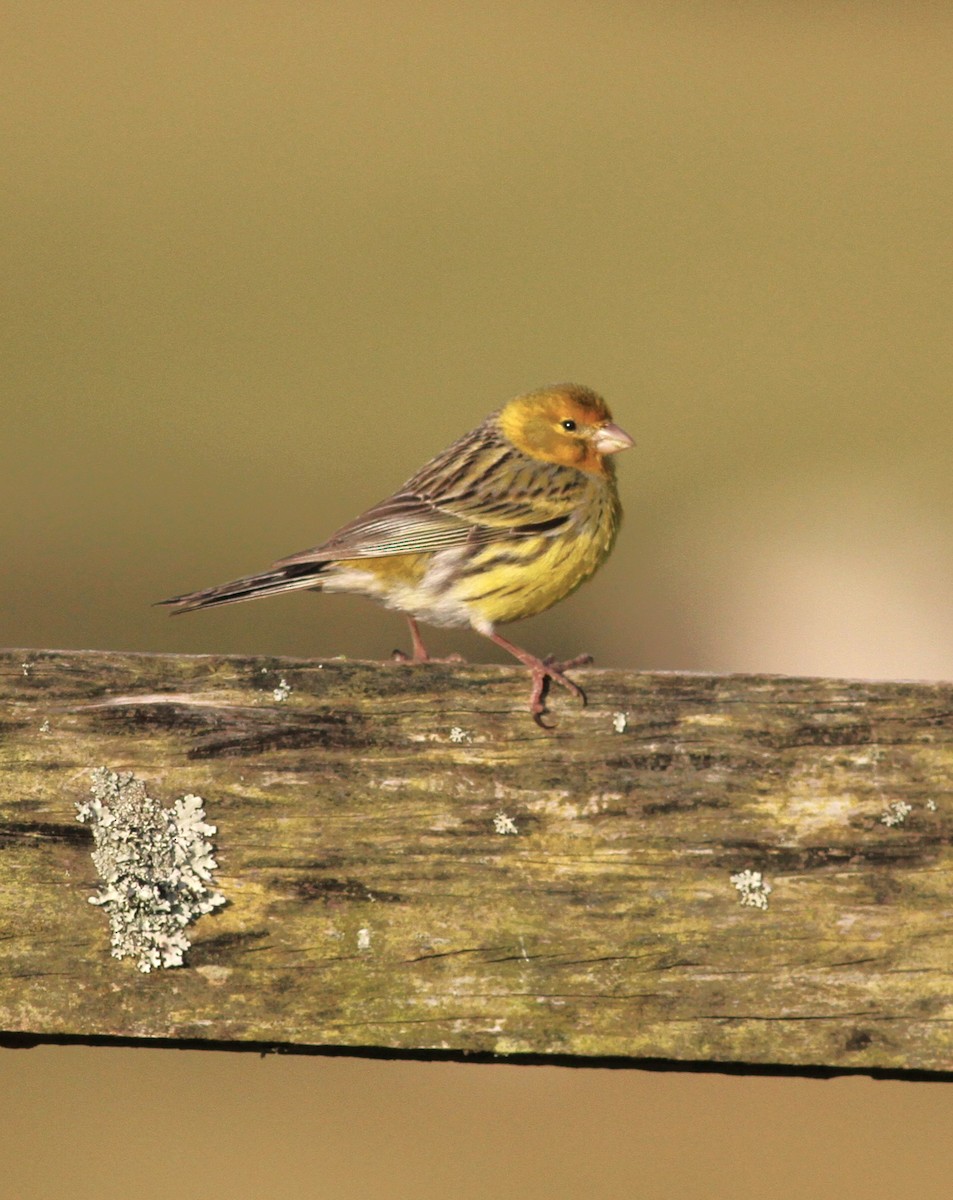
column 754, row 890
column 45, row 727
column 931, row 805
column 364, row 939
column 504, row 824
column 896, row 813
column 459, row 735
column 155, row 864
column 26, row 668
column 283, row 690
column 619, row 722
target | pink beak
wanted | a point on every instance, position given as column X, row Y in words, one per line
column 610, row 439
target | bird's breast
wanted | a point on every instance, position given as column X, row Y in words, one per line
column 488, row 582
column 510, row 579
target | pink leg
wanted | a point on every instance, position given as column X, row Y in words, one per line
column 420, row 650
column 544, row 669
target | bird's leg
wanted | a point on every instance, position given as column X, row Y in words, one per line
column 420, row 650
column 544, row 669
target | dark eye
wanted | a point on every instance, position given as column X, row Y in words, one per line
column 568, row 425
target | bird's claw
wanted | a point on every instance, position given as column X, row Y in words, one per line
column 401, row 657
column 548, row 669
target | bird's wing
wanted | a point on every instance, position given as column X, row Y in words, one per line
column 402, row 524
column 485, row 480
column 481, row 489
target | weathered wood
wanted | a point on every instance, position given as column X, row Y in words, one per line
column 373, row 901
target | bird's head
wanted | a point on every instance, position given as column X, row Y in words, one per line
column 566, row 424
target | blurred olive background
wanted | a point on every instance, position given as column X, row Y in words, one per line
column 260, row 261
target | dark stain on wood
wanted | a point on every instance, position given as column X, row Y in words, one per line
column 253, row 737
column 36, row 833
column 313, row 887
column 226, row 946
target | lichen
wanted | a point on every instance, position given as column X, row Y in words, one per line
column 753, row 888
column 896, row 813
column 155, row 864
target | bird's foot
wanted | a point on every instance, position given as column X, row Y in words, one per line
column 542, row 671
column 401, row 657
column 545, row 669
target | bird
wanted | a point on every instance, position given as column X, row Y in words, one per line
column 507, row 521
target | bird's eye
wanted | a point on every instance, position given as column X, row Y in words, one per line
column 569, row 425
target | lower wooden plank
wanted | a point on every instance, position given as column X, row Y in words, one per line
column 410, row 864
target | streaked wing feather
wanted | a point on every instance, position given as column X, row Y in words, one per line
column 480, row 489
column 402, row 524
column 483, row 479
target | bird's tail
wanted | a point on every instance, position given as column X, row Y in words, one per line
column 269, row 583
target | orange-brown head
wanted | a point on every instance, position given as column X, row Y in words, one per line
column 566, row 424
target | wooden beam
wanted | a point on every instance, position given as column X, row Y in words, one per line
column 409, row 864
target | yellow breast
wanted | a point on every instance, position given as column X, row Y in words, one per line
column 520, row 578
column 487, row 584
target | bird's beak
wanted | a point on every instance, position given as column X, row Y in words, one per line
column 610, row 439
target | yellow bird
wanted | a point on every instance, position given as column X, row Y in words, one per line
column 508, row 520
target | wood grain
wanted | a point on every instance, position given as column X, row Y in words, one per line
column 373, row 903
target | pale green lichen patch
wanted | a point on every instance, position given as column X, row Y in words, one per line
column 753, row 888
column 896, row 813
column 155, row 864
column 504, row 824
